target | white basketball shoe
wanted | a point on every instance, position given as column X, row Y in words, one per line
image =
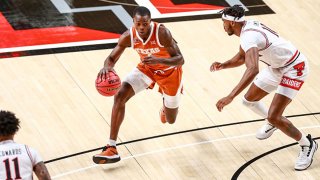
column 306, row 155
column 265, row 131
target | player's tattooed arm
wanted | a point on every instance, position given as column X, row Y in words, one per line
column 41, row 171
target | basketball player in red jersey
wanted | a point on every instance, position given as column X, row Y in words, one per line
column 161, row 62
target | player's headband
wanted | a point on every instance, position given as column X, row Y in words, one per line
column 232, row 18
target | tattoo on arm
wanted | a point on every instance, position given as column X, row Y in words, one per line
column 41, row 171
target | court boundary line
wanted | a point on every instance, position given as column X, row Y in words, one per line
column 188, row 145
column 248, row 163
column 173, row 133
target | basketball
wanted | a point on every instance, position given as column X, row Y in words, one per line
column 108, row 87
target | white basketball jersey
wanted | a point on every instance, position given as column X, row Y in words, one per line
column 273, row 50
column 17, row 161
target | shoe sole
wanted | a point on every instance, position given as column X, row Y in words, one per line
column 104, row 160
column 267, row 136
column 311, row 158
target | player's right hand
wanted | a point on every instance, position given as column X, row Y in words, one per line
column 216, row 66
column 103, row 73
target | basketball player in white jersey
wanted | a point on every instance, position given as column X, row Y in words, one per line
column 17, row 161
column 286, row 72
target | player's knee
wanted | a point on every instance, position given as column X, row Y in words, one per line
column 273, row 118
column 171, row 102
column 171, row 115
column 247, row 97
column 247, row 103
column 120, row 97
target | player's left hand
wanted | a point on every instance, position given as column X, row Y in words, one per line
column 151, row 60
column 223, row 102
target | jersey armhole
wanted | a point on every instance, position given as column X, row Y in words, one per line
column 267, row 44
column 29, row 154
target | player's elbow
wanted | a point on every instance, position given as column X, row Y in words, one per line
column 41, row 171
column 254, row 70
column 44, row 177
column 181, row 62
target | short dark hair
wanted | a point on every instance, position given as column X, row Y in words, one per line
column 9, row 124
column 235, row 10
column 142, row 11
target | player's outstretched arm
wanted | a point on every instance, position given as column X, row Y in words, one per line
column 236, row 61
column 41, row 171
column 252, row 64
column 123, row 42
column 170, row 44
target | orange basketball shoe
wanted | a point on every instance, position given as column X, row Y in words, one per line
column 162, row 115
column 108, row 155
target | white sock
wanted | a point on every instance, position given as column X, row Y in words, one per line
column 112, row 142
column 304, row 141
column 256, row 106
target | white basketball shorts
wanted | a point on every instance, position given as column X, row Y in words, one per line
column 286, row 80
column 140, row 81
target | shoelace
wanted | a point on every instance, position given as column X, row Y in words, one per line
column 105, row 148
column 270, row 127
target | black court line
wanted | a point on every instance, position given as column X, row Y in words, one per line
column 174, row 133
column 238, row 172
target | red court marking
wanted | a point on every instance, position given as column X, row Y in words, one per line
column 19, row 38
column 166, row 6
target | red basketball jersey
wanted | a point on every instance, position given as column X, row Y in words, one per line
column 150, row 47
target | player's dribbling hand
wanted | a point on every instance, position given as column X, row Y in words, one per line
column 223, row 102
column 216, row 66
column 103, row 73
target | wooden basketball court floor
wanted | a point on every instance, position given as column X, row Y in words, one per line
column 62, row 113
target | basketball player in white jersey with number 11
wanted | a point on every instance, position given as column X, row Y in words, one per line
column 286, row 72
column 17, row 161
